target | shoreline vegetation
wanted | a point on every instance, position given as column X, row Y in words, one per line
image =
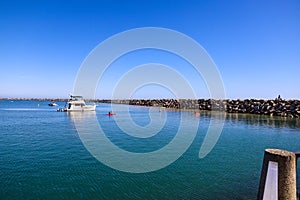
column 277, row 107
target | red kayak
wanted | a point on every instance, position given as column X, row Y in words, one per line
column 111, row 114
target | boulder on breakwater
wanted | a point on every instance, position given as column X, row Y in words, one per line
column 283, row 108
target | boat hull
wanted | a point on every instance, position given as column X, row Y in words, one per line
column 83, row 108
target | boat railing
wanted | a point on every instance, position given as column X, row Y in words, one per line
column 76, row 98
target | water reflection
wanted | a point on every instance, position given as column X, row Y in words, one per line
column 233, row 118
column 262, row 120
column 81, row 115
column 256, row 120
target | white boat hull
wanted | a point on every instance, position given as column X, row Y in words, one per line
column 82, row 108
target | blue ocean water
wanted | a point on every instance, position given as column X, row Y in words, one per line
column 42, row 155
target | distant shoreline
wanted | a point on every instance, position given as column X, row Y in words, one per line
column 34, row 99
column 277, row 107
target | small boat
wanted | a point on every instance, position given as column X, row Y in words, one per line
column 110, row 114
column 52, row 103
column 76, row 103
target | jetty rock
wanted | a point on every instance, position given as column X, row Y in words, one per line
column 277, row 107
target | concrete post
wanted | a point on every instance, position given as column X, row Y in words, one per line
column 278, row 175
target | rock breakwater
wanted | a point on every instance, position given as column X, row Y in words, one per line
column 283, row 108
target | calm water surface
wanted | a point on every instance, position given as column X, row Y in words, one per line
column 42, row 156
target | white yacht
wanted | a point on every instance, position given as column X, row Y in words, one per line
column 76, row 103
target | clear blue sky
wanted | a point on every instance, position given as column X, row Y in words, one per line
column 255, row 44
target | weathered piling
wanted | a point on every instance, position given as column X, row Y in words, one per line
column 278, row 176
